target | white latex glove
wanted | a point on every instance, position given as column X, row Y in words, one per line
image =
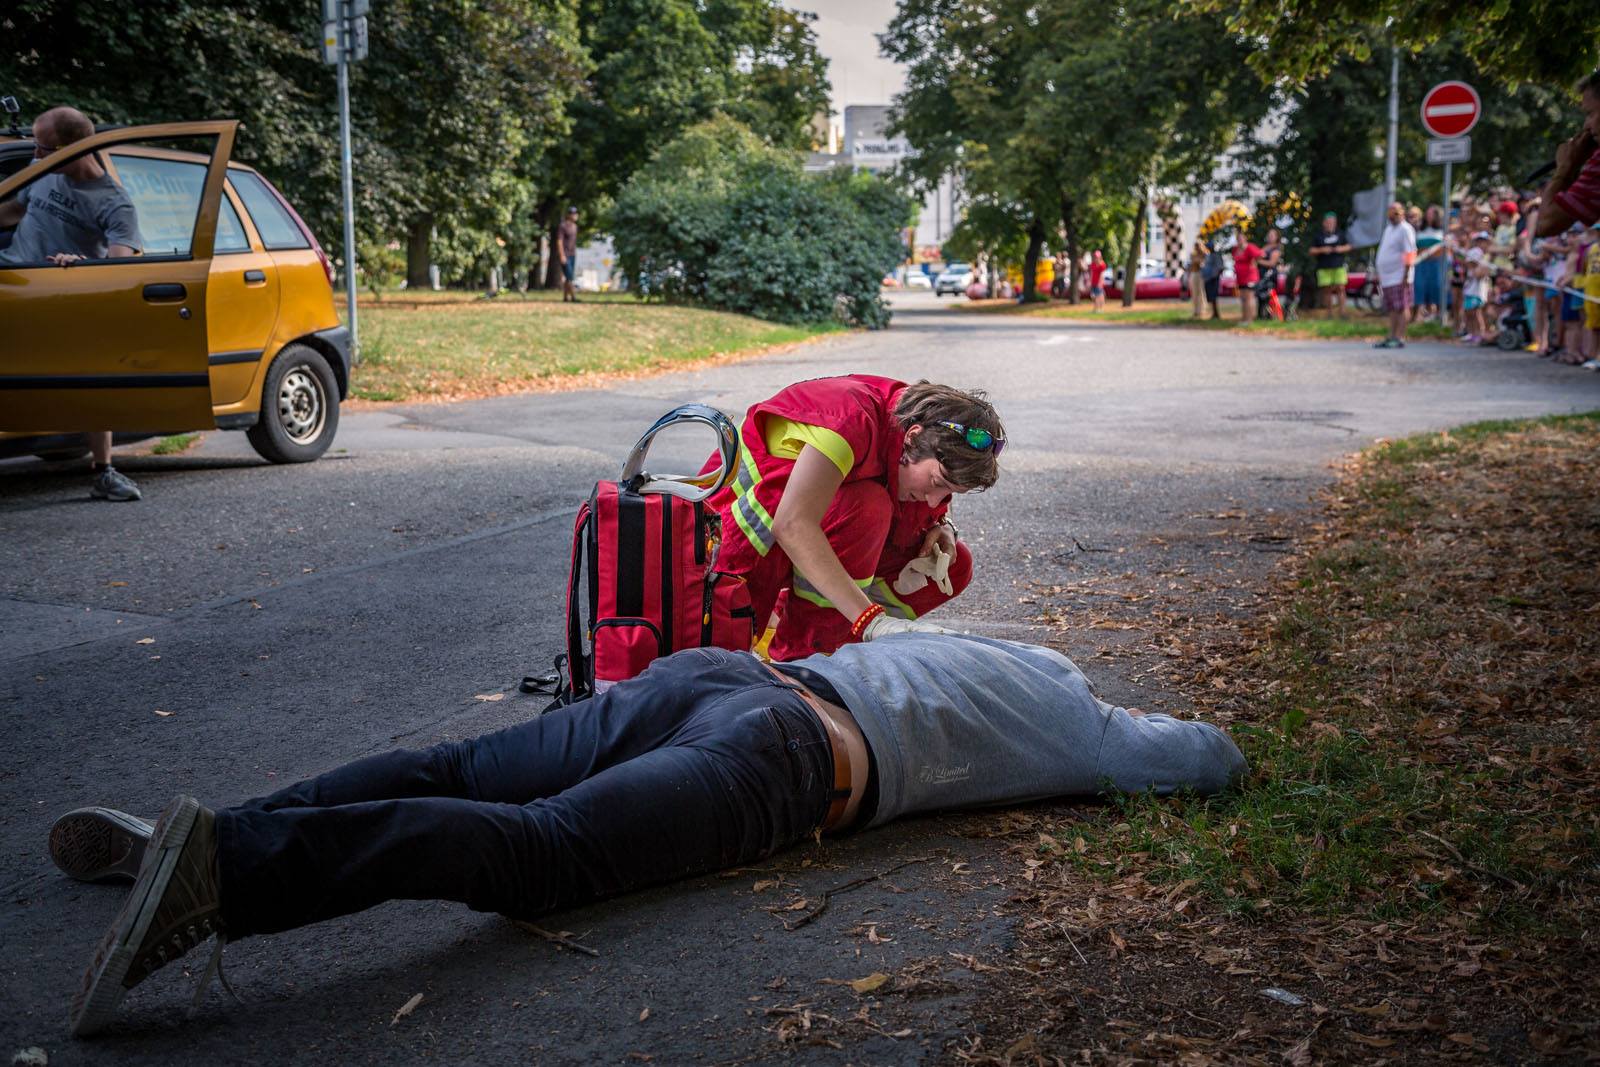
column 935, row 567
column 884, row 625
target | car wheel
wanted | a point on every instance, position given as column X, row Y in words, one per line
column 299, row 408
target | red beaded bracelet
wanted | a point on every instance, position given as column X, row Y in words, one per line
column 859, row 627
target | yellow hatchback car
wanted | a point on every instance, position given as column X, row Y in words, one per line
column 224, row 320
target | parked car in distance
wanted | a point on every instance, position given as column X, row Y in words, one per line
column 226, row 320
column 915, row 279
column 954, row 278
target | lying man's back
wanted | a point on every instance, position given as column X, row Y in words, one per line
column 956, row 721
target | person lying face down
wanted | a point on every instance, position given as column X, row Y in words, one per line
column 708, row 759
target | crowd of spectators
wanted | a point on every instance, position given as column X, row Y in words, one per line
column 1488, row 274
column 1521, row 270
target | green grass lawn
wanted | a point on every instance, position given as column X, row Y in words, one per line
column 1359, row 325
column 1419, row 709
column 449, row 345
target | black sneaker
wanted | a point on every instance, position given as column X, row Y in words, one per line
column 99, row 844
column 173, row 906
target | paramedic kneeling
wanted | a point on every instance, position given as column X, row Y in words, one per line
column 841, row 501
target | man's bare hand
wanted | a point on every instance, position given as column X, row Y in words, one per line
column 1572, row 155
column 66, row 259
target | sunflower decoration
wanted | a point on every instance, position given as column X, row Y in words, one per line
column 1286, row 211
column 1229, row 214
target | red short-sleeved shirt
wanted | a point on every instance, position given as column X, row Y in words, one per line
column 1096, row 272
column 1244, row 264
column 1581, row 199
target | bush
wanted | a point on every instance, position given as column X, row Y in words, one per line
column 719, row 218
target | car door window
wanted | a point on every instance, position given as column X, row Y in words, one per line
column 166, row 193
column 230, row 231
column 277, row 229
column 140, row 195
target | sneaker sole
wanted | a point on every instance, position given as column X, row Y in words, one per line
column 103, row 989
column 99, row 844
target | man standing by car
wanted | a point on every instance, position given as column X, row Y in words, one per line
column 1328, row 250
column 74, row 213
column 569, row 255
column 1397, row 256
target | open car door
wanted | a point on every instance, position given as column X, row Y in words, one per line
column 112, row 343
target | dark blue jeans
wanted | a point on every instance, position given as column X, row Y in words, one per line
column 704, row 761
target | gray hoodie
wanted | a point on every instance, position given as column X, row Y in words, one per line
column 956, row 721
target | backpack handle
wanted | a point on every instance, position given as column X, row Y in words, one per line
column 690, row 487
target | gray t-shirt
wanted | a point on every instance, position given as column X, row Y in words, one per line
column 82, row 218
column 956, row 721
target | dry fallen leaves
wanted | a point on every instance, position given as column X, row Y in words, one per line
column 406, row 1009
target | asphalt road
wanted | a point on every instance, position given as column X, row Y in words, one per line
column 293, row 618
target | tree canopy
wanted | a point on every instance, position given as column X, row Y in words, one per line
column 721, row 218
column 1549, row 41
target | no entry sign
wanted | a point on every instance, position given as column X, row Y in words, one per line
column 1451, row 109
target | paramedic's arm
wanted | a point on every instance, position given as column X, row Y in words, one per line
column 797, row 526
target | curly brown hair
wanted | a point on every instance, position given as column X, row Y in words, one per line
column 927, row 404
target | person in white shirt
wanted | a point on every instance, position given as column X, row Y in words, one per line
column 1397, row 255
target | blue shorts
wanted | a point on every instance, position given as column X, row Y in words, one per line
column 569, row 267
column 1097, row 291
column 1471, row 303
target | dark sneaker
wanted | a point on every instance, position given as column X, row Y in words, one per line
column 112, row 484
column 173, row 907
column 99, row 844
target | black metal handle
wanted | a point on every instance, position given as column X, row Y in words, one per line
column 165, row 292
column 254, row 277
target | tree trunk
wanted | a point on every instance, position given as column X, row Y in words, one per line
column 549, row 277
column 1030, row 261
column 1130, row 279
column 1069, row 223
column 419, row 241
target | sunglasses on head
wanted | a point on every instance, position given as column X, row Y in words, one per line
column 979, row 439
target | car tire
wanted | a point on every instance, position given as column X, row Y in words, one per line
column 61, row 455
column 299, row 407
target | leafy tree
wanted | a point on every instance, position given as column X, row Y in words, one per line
column 723, row 219
column 1550, row 41
column 447, row 109
column 661, row 66
column 1049, row 108
column 1331, row 142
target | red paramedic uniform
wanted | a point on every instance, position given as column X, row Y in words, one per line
column 872, row 531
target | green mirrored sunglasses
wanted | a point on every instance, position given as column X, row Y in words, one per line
column 980, row 439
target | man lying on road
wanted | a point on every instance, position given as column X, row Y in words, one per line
column 708, row 759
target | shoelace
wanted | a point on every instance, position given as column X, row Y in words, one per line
column 214, row 967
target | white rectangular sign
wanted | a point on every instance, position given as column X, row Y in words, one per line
column 1449, row 150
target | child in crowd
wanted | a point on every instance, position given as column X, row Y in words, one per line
column 1475, row 289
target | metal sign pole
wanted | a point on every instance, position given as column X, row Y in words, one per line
column 1444, row 302
column 345, row 181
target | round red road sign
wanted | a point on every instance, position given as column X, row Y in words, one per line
column 1451, row 109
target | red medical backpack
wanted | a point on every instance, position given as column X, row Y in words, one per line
column 644, row 562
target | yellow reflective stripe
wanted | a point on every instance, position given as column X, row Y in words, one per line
column 882, row 593
column 808, row 592
column 785, row 439
column 748, row 513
